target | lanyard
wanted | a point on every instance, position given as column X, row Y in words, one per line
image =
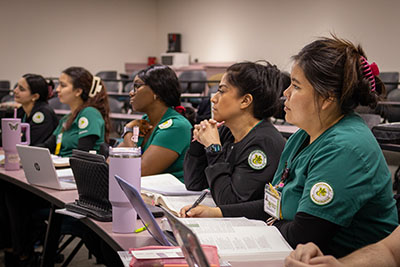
column 284, row 177
column 59, row 141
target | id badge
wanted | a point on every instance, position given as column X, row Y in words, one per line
column 272, row 201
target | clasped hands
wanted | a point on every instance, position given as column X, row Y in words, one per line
column 206, row 132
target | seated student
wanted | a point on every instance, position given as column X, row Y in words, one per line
column 165, row 133
column 384, row 253
column 32, row 92
column 88, row 124
column 237, row 160
column 333, row 181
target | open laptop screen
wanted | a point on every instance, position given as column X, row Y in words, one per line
column 144, row 213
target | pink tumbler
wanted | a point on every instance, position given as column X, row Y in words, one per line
column 126, row 163
column 11, row 136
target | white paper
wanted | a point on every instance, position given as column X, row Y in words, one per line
column 240, row 238
column 165, row 184
column 157, row 253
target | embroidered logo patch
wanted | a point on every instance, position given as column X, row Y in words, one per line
column 321, row 193
column 38, row 117
column 165, row 124
column 257, row 159
column 83, row 123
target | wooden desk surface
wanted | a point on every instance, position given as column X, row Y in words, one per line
column 60, row 198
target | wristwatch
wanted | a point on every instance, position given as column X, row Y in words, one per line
column 126, row 130
column 213, row 148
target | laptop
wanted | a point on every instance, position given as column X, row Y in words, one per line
column 185, row 237
column 39, row 169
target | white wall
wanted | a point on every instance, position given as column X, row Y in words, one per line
column 234, row 30
column 47, row 36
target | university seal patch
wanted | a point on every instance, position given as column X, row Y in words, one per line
column 38, row 117
column 321, row 193
column 83, row 123
column 165, row 124
column 257, row 159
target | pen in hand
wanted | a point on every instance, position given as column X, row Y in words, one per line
column 198, row 201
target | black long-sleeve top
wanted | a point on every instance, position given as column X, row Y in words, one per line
column 231, row 174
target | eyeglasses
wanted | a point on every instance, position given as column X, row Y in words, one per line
column 136, row 86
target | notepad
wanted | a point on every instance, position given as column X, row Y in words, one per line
column 166, row 190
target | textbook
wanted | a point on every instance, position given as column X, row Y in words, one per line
column 239, row 239
column 166, row 190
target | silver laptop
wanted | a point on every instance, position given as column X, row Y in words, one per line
column 184, row 236
column 39, row 169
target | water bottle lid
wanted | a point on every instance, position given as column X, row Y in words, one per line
column 125, row 152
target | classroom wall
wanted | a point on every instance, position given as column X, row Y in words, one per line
column 234, row 30
column 47, row 36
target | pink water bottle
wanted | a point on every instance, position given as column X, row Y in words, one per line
column 11, row 136
column 126, row 163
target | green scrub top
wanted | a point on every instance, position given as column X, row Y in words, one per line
column 88, row 122
column 341, row 177
column 172, row 132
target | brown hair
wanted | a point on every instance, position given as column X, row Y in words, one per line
column 333, row 67
column 81, row 78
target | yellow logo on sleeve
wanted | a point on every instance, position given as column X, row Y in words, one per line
column 83, row 123
column 321, row 193
column 166, row 124
column 38, row 117
column 257, row 159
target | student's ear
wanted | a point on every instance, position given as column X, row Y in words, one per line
column 247, row 99
column 35, row 97
column 327, row 102
column 78, row 92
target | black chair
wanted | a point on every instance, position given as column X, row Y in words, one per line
column 4, row 89
column 193, row 81
column 393, row 112
column 111, row 86
column 390, row 79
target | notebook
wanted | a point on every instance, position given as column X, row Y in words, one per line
column 185, row 237
column 39, row 169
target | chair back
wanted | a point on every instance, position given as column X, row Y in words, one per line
column 390, row 79
column 111, row 86
column 193, row 75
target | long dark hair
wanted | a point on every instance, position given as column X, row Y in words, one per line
column 260, row 79
column 165, row 84
column 81, row 78
column 39, row 85
column 333, row 67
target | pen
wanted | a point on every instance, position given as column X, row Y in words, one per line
column 141, row 229
column 198, row 201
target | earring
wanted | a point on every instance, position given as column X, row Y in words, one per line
column 155, row 97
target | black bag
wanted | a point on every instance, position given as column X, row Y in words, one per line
column 387, row 133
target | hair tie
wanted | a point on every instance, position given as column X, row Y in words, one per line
column 96, row 86
column 370, row 71
column 180, row 109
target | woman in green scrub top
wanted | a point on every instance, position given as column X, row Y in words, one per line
column 332, row 184
column 88, row 124
column 165, row 132
column 32, row 92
